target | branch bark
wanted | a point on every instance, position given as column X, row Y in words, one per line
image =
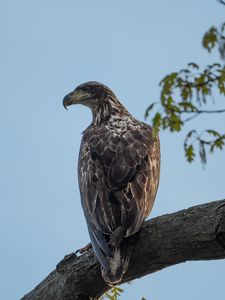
column 196, row 233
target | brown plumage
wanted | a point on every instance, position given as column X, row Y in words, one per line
column 119, row 166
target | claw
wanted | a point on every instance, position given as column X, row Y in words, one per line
column 84, row 249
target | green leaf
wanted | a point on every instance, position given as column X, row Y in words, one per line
column 169, row 79
column 193, row 65
column 151, row 106
column 186, row 71
column 189, row 153
column 117, row 289
column 205, row 90
column 112, row 294
column 157, row 120
column 202, row 152
column 213, row 132
column 188, row 106
column 188, row 148
column 210, row 39
column 221, row 86
column 186, row 92
column 175, row 123
column 199, row 81
column 218, row 143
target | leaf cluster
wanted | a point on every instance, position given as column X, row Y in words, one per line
column 208, row 140
column 185, row 95
column 112, row 294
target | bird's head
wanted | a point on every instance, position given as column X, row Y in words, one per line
column 98, row 97
column 90, row 94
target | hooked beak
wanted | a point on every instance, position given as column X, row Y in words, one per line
column 74, row 97
column 67, row 100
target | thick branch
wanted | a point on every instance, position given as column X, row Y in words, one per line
column 197, row 233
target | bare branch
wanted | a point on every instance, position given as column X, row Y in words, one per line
column 190, row 118
column 198, row 112
column 197, row 233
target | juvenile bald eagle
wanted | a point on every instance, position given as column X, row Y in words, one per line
column 118, row 170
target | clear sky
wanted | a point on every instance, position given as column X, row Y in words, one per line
column 48, row 48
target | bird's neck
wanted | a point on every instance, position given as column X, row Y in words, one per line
column 109, row 112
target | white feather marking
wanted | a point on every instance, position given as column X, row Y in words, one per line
column 115, row 262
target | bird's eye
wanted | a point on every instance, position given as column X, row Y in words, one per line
column 85, row 89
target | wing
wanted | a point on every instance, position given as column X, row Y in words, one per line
column 118, row 178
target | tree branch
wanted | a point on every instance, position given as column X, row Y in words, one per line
column 202, row 111
column 199, row 111
column 196, row 233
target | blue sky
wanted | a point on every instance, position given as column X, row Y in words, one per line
column 48, row 48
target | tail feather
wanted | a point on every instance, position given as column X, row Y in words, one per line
column 113, row 253
column 118, row 263
column 100, row 249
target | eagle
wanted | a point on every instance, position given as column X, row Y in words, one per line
column 118, row 173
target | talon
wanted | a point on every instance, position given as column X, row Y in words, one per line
column 84, row 249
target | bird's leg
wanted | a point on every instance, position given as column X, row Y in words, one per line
column 84, row 249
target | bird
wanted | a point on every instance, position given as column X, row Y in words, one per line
column 118, row 175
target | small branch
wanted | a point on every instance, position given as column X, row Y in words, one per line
column 211, row 111
column 198, row 112
column 195, row 85
column 197, row 233
column 190, row 118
